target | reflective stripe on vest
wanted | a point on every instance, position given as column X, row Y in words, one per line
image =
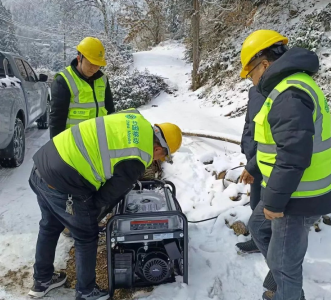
column 80, row 107
column 81, row 146
column 105, row 141
column 306, row 186
column 316, row 179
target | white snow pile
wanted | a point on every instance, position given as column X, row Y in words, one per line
column 216, row 271
column 9, row 82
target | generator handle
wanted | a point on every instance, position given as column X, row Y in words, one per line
column 144, row 215
column 173, row 188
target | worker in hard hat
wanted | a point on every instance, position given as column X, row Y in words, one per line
column 293, row 135
column 84, row 168
column 81, row 91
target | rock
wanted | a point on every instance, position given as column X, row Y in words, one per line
column 235, row 198
column 317, row 228
column 239, row 228
column 293, row 12
column 326, row 220
column 219, row 176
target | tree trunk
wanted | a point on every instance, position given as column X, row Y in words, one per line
column 64, row 50
column 105, row 17
column 195, row 43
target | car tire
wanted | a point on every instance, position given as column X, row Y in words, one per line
column 16, row 149
column 43, row 121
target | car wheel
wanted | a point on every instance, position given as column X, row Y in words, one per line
column 16, row 148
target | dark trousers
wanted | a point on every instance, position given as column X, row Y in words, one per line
column 283, row 242
column 255, row 196
column 82, row 224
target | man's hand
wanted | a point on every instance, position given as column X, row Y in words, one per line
column 246, row 177
column 269, row 215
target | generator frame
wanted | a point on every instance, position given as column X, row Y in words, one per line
column 147, row 235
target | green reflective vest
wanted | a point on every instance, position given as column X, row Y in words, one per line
column 316, row 179
column 94, row 147
column 83, row 99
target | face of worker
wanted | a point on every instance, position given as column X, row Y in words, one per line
column 88, row 69
column 159, row 153
column 257, row 69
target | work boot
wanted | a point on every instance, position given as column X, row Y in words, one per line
column 269, row 283
column 248, row 247
column 40, row 289
column 96, row 294
column 268, row 295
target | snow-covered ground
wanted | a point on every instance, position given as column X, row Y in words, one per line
column 216, row 271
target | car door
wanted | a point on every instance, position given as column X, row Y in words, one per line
column 4, row 107
column 28, row 89
column 33, row 79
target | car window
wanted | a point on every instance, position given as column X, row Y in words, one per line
column 31, row 74
column 10, row 70
column 2, row 67
column 21, row 69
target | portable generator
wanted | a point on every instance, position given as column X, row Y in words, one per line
column 147, row 238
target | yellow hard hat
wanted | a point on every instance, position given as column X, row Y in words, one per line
column 172, row 136
column 255, row 42
column 92, row 49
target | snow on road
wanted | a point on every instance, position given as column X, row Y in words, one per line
column 184, row 108
column 216, row 271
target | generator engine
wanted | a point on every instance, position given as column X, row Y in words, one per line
column 147, row 238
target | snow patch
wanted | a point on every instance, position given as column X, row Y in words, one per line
column 9, row 82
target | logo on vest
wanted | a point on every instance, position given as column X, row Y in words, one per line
column 131, row 117
column 326, row 105
column 79, row 112
column 267, row 104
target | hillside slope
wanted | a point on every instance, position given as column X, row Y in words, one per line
column 307, row 23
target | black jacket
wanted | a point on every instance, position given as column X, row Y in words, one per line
column 60, row 100
column 255, row 102
column 67, row 180
column 292, row 128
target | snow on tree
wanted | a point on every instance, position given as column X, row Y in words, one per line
column 8, row 40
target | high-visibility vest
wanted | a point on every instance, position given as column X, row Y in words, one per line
column 316, row 179
column 85, row 103
column 94, row 147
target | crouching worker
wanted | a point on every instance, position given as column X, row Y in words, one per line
column 82, row 169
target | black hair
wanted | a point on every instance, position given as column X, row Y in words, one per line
column 80, row 54
column 274, row 52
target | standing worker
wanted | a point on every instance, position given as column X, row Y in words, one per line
column 81, row 91
column 248, row 147
column 293, row 132
column 85, row 168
